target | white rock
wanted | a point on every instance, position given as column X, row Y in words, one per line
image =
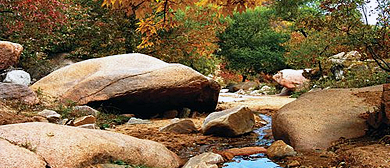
column 204, row 160
column 51, row 115
column 18, row 77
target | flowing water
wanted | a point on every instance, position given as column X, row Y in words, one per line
column 256, row 160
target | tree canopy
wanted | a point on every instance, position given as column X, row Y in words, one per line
column 250, row 45
column 156, row 15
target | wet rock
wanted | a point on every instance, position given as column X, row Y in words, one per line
column 376, row 155
column 18, row 156
column 50, row 115
column 79, row 111
column 134, row 120
column 204, row 160
column 318, row 118
column 289, row 78
column 18, row 77
column 230, row 122
column 64, row 146
column 170, row 114
column 180, row 127
column 90, row 119
column 279, row 149
column 22, row 93
column 246, row 151
column 9, row 54
column 133, row 83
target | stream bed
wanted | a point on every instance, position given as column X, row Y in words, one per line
column 256, row 160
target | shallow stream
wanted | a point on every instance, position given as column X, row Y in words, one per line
column 256, row 160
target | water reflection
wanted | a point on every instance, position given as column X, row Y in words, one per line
column 257, row 160
column 254, row 161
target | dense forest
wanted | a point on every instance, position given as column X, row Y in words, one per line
column 238, row 39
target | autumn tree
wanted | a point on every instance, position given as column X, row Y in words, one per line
column 159, row 14
column 192, row 42
column 333, row 26
column 250, row 45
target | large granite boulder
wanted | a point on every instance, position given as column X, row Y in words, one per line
column 231, row 122
column 65, row 146
column 132, row 82
column 317, row 118
column 22, row 93
column 9, row 54
column 13, row 156
column 290, row 78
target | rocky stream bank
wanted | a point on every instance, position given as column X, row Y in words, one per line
column 134, row 110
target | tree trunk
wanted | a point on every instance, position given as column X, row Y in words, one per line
column 244, row 77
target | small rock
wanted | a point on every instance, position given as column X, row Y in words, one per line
column 170, row 114
column 224, row 91
column 18, row 77
column 66, row 121
column 134, row 120
column 40, row 119
column 9, row 54
column 11, row 91
column 50, row 115
column 128, row 115
column 79, row 111
column 246, row 151
column 185, row 113
column 204, row 160
column 180, row 127
column 231, row 122
column 90, row 119
column 294, row 163
column 279, row 149
column 194, row 114
column 88, row 126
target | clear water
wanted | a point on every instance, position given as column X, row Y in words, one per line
column 256, row 160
